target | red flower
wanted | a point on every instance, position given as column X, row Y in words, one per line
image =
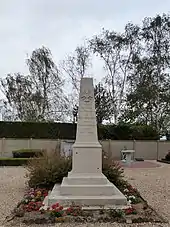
column 130, row 187
column 31, row 203
column 45, row 194
column 129, row 211
column 61, row 208
column 54, row 206
column 39, row 203
column 69, row 210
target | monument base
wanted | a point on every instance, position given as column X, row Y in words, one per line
column 87, row 190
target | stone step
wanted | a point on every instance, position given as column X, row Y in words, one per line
column 88, row 190
column 86, row 200
column 83, row 180
column 114, row 200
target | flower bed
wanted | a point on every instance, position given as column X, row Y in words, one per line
column 32, row 210
column 45, row 172
column 164, row 161
column 33, row 200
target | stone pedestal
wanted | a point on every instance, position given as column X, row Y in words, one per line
column 86, row 185
column 129, row 155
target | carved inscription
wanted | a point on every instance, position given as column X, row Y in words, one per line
column 85, row 129
column 88, row 115
column 86, row 132
column 86, row 96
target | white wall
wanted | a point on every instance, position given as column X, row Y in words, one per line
column 9, row 145
column 149, row 150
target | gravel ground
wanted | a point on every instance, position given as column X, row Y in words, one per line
column 153, row 184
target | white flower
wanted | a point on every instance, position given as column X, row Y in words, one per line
column 126, row 190
column 46, row 207
column 129, row 201
column 132, row 197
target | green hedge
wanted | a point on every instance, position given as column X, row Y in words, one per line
column 13, row 161
column 27, row 153
column 127, row 132
column 39, row 130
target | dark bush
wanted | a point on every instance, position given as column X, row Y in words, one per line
column 13, row 161
column 167, row 157
column 52, row 168
column 44, row 173
column 113, row 171
column 27, row 153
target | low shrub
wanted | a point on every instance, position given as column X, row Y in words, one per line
column 27, row 153
column 113, row 171
column 44, row 173
column 13, row 161
column 167, row 157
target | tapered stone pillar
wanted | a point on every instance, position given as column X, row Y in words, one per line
column 86, row 185
column 87, row 151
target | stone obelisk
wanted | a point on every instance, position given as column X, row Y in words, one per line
column 86, row 185
column 87, row 151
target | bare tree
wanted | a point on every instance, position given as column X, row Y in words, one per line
column 76, row 65
column 148, row 97
column 38, row 96
column 19, row 97
column 116, row 51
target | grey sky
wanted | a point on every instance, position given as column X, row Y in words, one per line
column 62, row 24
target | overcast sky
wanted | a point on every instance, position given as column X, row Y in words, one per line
column 62, row 24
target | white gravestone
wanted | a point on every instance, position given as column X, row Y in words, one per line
column 86, row 185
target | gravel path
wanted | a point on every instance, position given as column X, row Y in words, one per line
column 153, row 184
column 11, row 189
